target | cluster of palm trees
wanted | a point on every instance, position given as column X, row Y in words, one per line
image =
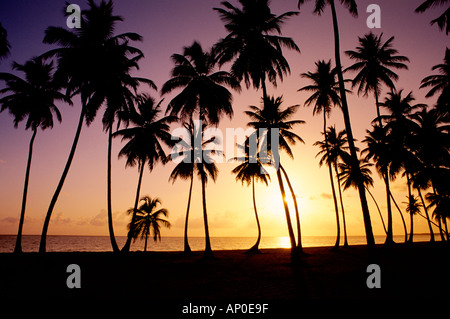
column 94, row 63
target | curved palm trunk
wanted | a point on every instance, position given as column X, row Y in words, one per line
column 126, row 247
column 42, row 245
column 410, row 240
column 432, row 240
column 330, row 171
column 109, row 195
column 255, row 248
column 378, row 109
column 145, row 244
column 187, row 248
column 378, row 208
column 342, row 204
column 401, row 215
column 297, row 215
column 354, row 158
column 208, row 250
column 294, row 252
column 389, row 235
column 18, row 247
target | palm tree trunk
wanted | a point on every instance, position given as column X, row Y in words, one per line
column 330, row 171
column 294, row 252
column 42, row 245
column 378, row 208
column 410, row 240
column 342, row 204
column 390, row 236
column 145, row 244
column 126, row 247
column 297, row 215
column 109, row 195
column 187, row 248
column 428, row 216
column 18, row 247
column 255, row 248
column 401, row 215
column 208, row 250
column 378, row 109
column 354, row 158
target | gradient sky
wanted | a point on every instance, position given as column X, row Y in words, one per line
column 167, row 26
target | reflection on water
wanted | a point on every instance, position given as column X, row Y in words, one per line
column 30, row 243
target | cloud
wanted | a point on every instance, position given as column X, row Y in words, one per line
column 11, row 220
column 326, row 196
column 60, row 220
column 99, row 219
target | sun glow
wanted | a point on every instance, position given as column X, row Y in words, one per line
column 284, row 242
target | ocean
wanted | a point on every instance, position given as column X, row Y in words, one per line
column 30, row 243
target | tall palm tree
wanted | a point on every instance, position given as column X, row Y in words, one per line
column 443, row 20
column 82, row 56
column 326, row 95
column 374, row 61
column 441, row 204
column 354, row 161
column 254, row 43
column 148, row 218
column 250, row 171
column 33, row 99
column 380, row 150
column 204, row 92
column 271, row 117
column 440, row 83
column 145, row 144
column 190, row 155
column 4, row 44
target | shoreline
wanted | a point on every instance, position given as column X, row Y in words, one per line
column 418, row 271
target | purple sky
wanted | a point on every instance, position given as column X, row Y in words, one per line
column 167, row 26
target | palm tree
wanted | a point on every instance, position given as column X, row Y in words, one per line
column 4, row 44
column 440, row 83
column 254, row 43
column 82, row 59
column 353, row 9
column 326, row 94
column 441, row 204
column 32, row 99
column 119, row 91
column 374, row 61
column 413, row 208
column 443, row 20
column 145, row 144
column 203, row 91
column 380, row 150
column 349, row 178
column 147, row 218
column 271, row 117
column 250, row 171
column 190, row 155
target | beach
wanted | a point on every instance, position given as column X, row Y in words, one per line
column 419, row 271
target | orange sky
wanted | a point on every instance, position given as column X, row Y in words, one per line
column 167, row 26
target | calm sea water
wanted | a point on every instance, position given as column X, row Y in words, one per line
column 30, row 243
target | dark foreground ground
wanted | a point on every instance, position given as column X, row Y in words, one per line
column 421, row 271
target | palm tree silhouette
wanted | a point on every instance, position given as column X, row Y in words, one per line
column 145, row 144
column 32, row 99
column 203, row 91
column 442, row 20
column 413, row 208
column 271, row 117
column 254, row 43
column 190, row 155
column 250, row 171
column 440, row 83
column 4, row 44
column 349, row 178
column 374, row 60
column 380, row 150
column 148, row 218
column 82, row 59
column 326, row 94
column 353, row 9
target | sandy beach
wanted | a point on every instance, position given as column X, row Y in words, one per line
column 407, row 272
